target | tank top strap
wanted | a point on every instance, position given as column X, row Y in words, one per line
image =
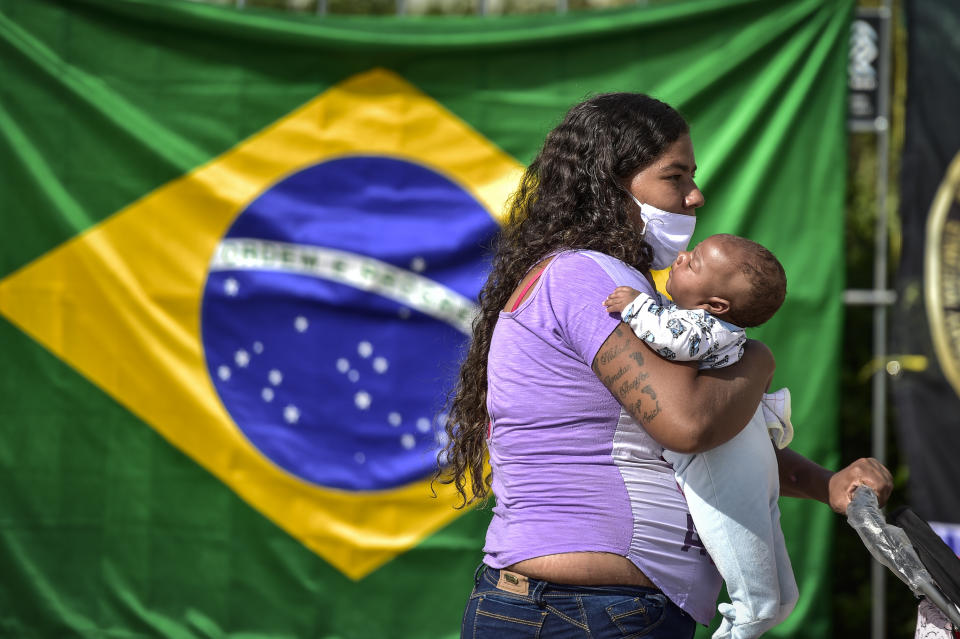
column 526, row 288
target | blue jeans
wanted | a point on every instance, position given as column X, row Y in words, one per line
column 503, row 605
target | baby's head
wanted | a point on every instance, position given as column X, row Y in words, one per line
column 731, row 277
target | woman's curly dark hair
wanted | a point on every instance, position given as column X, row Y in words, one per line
column 572, row 196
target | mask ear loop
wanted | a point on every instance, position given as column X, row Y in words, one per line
column 646, row 223
column 643, row 233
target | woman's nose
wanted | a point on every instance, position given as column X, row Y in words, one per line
column 694, row 198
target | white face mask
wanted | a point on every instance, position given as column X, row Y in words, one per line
column 666, row 233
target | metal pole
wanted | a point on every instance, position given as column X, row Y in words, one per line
column 879, row 449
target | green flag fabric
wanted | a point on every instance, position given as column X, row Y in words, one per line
column 240, row 256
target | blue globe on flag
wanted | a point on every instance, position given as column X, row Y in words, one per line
column 334, row 315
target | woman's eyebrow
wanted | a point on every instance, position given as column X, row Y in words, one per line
column 678, row 166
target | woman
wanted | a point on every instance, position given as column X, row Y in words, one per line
column 590, row 535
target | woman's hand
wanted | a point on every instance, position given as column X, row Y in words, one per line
column 801, row 477
column 867, row 471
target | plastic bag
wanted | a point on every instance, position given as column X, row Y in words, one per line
column 891, row 547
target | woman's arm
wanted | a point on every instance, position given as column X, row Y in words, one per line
column 684, row 409
column 800, row 477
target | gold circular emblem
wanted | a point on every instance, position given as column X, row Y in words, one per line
column 942, row 274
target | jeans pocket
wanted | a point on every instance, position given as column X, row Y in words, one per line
column 502, row 616
column 637, row 616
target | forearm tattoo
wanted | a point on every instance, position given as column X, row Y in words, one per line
column 617, row 350
column 649, row 416
column 630, row 386
column 610, row 380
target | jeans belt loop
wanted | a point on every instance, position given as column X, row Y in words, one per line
column 478, row 573
column 537, row 593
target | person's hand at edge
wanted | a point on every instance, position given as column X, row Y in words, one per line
column 801, row 477
column 865, row 471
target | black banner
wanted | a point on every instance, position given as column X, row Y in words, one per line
column 867, row 40
column 926, row 319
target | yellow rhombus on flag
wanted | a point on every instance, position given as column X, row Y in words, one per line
column 121, row 303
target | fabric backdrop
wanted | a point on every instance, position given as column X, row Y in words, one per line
column 241, row 252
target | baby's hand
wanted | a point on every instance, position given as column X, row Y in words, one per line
column 620, row 298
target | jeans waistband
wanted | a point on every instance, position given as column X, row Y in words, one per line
column 514, row 582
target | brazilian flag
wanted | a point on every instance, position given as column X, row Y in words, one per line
column 240, row 256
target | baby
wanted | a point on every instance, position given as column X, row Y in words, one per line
column 724, row 284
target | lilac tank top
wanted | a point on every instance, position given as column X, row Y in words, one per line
column 572, row 471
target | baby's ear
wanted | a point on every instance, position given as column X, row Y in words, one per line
column 716, row 305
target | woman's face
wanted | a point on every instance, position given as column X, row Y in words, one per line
column 667, row 183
